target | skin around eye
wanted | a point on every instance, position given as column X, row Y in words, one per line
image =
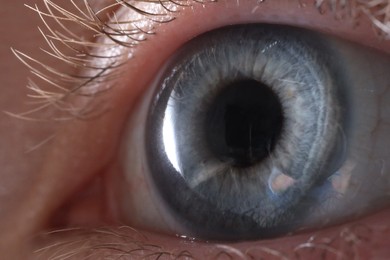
column 69, row 164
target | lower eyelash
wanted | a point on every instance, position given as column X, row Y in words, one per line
column 82, row 53
column 350, row 242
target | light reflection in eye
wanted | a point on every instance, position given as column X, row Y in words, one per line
column 170, row 140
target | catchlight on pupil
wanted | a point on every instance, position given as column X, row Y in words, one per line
column 242, row 130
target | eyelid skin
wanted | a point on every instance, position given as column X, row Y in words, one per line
column 63, row 176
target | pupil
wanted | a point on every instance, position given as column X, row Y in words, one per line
column 244, row 122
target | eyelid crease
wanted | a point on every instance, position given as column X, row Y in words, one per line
column 117, row 39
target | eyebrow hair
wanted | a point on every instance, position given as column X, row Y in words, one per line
column 54, row 88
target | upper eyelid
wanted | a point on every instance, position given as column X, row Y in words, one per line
column 125, row 34
column 80, row 52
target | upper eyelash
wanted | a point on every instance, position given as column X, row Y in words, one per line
column 82, row 57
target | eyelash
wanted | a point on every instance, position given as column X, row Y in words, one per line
column 82, row 57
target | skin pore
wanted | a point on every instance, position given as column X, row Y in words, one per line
column 40, row 160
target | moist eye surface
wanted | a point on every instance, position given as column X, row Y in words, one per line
column 243, row 129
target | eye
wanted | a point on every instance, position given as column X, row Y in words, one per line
column 230, row 139
column 124, row 180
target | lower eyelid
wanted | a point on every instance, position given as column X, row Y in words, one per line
column 352, row 241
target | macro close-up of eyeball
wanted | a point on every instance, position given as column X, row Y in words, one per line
column 195, row 129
